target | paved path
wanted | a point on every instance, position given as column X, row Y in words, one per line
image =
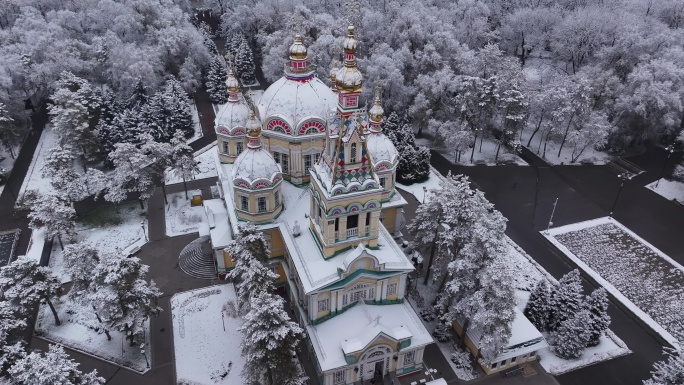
column 584, row 192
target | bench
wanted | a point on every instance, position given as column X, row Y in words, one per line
column 513, row 372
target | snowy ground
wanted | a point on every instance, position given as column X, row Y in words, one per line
column 181, row 218
column 207, row 167
column 484, row 154
column 205, row 336
column 34, row 180
column 669, row 189
column 640, row 276
column 107, row 230
column 74, row 334
column 416, row 189
column 195, row 124
column 590, row 155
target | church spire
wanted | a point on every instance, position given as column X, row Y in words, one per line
column 349, row 79
column 299, row 68
column 231, row 82
column 376, row 114
column 253, row 127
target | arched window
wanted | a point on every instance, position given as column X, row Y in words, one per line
column 352, row 153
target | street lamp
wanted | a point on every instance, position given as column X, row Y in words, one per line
column 551, row 218
column 669, row 149
column 142, row 224
column 424, row 193
column 623, row 177
column 142, row 350
column 430, row 372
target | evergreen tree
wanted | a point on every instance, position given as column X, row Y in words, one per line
column 538, row 306
column 244, row 63
column 597, row 305
column 216, row 82
column 249, row 252
column 670, row 371
column 566, row 299
column 56, row 214
column 25, row 284
column 53, row 367
column 11, row 344
column 75, row 106
column 168, row 111
column 183, row 162
column 414, row 161
column 58, row 167
column 571, row 337
column 139, row 96
column 189, row 75
column 121, row 296
column 80, row 260
column 269, row 343
column 233, row 44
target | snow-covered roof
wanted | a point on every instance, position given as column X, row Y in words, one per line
column 354, row 329
column 217, row 219
column 525, row 337
column 231, row 116
column 254, row 164
column 315, row 271
column 439, row 381
column 296, row 101
column 381, row 149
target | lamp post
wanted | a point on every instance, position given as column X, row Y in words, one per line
column 424, row 193
column 142, row 224
column 669, row 149
column 551, row 218
column 430, row 372
column 142, row 350
column 623, row 178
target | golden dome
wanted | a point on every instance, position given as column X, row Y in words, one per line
column 231, row 82
column 350, row 41
column 298, row 49
column 253, row 126
column 333, row 71
column 376, row 113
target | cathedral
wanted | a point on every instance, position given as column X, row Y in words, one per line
column 312, row 169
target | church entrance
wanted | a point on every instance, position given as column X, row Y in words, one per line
column 379, row 370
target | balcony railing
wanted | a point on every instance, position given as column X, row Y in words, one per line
column 352, row 232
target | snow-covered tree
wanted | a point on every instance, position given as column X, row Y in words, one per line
column 75, row 106
column 8, row 129
column 168, row 111
column 139, row 96
column 571, row 337
column 244, row 63
column 11, row 345
column 414, row 161
column 669, row 371
column 59, row 168
column 597, row 306
column 269, row 343
column 249, row 252
column 566, row 298
column 121, row 296
column 183, row 162
column 190, row 76
column 25, row 284
column 56, row 214
column 538, row 306
column 216, row 82
column 455, row 135
column 51, row 367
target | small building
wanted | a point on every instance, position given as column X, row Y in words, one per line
column 522, row 347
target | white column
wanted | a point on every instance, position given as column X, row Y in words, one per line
column 384, row 288
column 378, row 290
column 402, row 286
column 333, row 301
column 313, row 308
column 339, row 303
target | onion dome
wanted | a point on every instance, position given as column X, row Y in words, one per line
column 381, row 149
column 376, row 113
column 232, row 83
column 297, row 49
column 232, row 117
column 349, row 78
column 255, row 163
column 333, row 74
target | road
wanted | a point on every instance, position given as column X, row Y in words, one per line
column 585, row 192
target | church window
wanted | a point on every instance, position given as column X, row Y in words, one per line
column 276, row 197
column 316, row 157
column 383, row 182
column 352, row 153
column 339, row 377
column 244, row 203
column 238, row 148
column 368, row 215
column 283, row 160
column 353, row 221
column 392, row 289
column 324, row 305
column 307, row 164
column 345, row 300
column 409, row 357
column 261, row 204
column 337, row 224
column 226, row 147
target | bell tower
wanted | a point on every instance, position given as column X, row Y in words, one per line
column 346, row 199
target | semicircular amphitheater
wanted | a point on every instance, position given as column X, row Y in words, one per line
column 196, row 259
